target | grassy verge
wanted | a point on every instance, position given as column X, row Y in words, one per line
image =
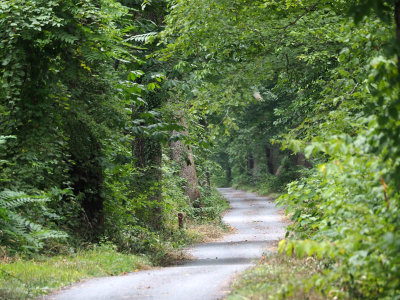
column 26, row 279
column 278, row 277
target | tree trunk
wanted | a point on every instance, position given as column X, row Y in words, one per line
column 397, row 20
column 87, row 176
column 255, row 166
column 229, row 175
column 272, row 154
column 302, row 161
column 250, row 165
column 148, row 155
column 182, row 154
column 270, row 166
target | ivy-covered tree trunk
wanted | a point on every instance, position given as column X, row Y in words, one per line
column 86, row 175
column 182, row 154
column 148, row 155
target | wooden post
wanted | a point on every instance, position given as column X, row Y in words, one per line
column 180, row 220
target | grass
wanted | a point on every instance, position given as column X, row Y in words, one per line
column 27, row 279
column 278, row 277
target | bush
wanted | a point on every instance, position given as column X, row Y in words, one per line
column 344, row 212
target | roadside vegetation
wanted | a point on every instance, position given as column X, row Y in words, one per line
column 279, row 277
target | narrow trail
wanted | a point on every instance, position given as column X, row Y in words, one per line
column 257, row 222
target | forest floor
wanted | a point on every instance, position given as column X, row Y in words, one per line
column 258, row 224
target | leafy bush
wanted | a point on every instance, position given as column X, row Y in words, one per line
column 345, row 214
column 209, row 207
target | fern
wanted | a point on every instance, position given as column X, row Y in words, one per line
column 141, row 38
column 92, row 54
column 16, row 230
column 66, row 37
column 3, row 138
column 10, row 199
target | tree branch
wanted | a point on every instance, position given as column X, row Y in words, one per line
column 309, row 9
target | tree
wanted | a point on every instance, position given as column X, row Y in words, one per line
column 182, row 154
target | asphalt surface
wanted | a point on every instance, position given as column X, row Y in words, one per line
column 258, row 224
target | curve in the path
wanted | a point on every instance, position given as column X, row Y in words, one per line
column 257, row 224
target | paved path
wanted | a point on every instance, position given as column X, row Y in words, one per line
column 258, row 223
